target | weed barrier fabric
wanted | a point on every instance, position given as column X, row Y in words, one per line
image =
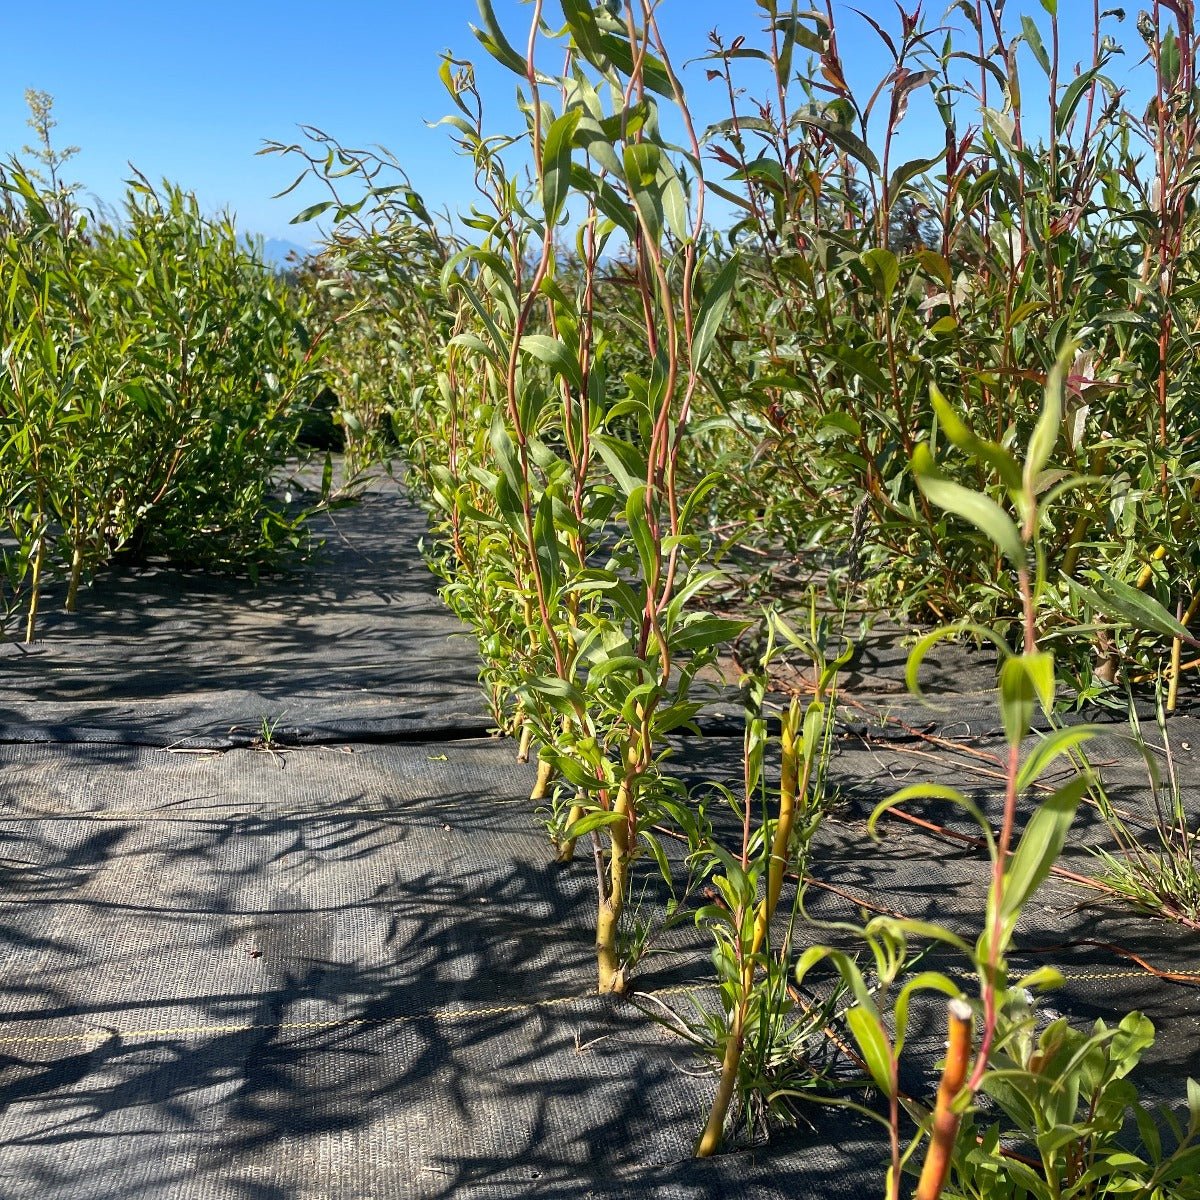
column 354, row 645
column 351, row 972
column 321, row 973
column 344, row 965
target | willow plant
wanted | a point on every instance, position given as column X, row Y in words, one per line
column 1020, row 859
column 154, row 381
column 866, row 278
column 757, row 1007
column 589, row 533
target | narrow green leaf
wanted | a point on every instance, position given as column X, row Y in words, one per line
column 962, row 436
column 313, row 210
column 981, row 511
column 556, row 165
column 555, row 355
column 842, row 138
column 597, row 819
column 546, row 545
column 1055, row 744
column 1045, row 432
column 1117, row 598
column 505, row 451
column 492, row 38
column 712, row 311
column 872, row 1041
column 706, row 632
column 1017, row 698
column 1041, row 844
column 643, row 538
column 642, row 161
column 626, row 462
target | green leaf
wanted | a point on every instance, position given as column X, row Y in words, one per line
column 1071, row 97
column 924, row 981
column 505, row 451
column 581, row 21
column 555, row 355
column 642, row 162
column 654, row 73
column 560, row 694
column 1033, row 39
column 705, row 632
column 556, row 165
column 981, row 511
column 909, row 170
column 313, row 210
column 674, row 201
column 1017, row 698
column 492, row 38
column 626, row 462
column 643, row 538
column 1045, row 432
column 597, row 819
column 1041, row 844
column 1055, row 744
column 1042, row 979
column 1169, row 57
column 545, row 542
column 962, row 436
column 872, row 1041
column 712, row 312
column 1116, row 598
column 842, row 138
column 591, row 138
column 927, row 642
column 885, row 270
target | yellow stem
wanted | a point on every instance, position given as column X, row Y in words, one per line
column 611, row 977
column 566, row 846
column 714, row 1131
column 1173, row 684
column 76, row 573
column 35, row 589
column 791, row 788
column 525, row 742
column 545, row 774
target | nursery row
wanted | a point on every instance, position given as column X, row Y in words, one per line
column 959, row 387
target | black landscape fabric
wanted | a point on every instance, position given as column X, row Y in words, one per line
column 345, row 965
column 355, row 645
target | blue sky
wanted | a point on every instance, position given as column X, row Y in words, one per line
column 189, row 91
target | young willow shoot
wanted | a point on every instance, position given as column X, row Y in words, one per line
column 753, row 973
column 584, row 529
column 1018, row 864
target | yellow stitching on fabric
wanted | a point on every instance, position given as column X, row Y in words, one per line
column 1165, row 977
column 100, row 1035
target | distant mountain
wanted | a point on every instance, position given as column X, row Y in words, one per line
column 278, row 251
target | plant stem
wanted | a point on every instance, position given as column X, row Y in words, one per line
column 524, row 743
column 35, row 588
column 714, row 1130
column 945, row 1119
column 76, row 572
column 545, row 773
column 611, row 978
column 791, row 788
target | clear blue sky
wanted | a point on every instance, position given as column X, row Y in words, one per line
column 190, row 90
